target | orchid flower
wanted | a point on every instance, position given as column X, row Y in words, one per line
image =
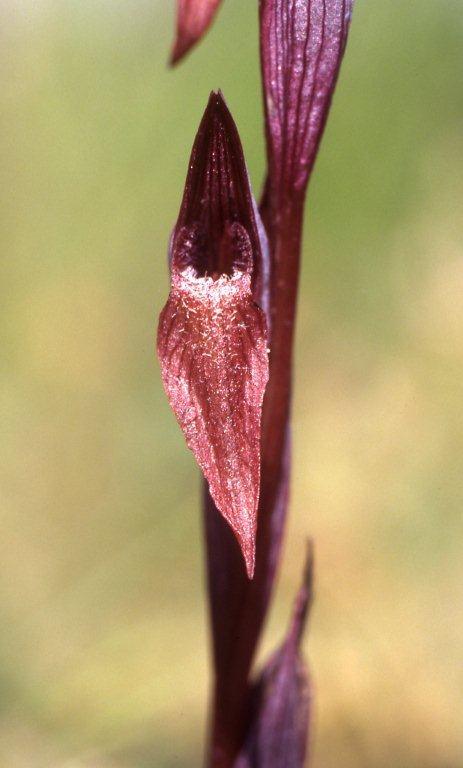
column 212, row 339
column 225, row 344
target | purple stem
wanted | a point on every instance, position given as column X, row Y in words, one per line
column 302, row 42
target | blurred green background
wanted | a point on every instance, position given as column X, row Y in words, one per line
column 103, row 633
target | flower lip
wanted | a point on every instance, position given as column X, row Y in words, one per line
column 212, row 345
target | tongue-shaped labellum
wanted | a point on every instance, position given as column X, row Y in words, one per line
column 213, row 350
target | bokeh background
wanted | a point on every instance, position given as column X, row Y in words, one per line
column 103, row 621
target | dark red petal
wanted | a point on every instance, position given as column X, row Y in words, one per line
column 302, row 43
column 193, row 19
column 212, row 337
column 281, row 702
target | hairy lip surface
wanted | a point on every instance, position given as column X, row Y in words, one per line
column 212, row 336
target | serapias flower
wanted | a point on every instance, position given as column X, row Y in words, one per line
column 212, row 336
column 194, row 17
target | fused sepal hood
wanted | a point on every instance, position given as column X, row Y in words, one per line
column 193, row 19
column 212, row 336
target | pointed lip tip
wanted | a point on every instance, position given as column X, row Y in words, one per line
column 250, row 567
column 180, row 49
column 248, row 550
column 174, row 59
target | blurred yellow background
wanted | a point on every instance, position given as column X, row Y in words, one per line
column 103, row 634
